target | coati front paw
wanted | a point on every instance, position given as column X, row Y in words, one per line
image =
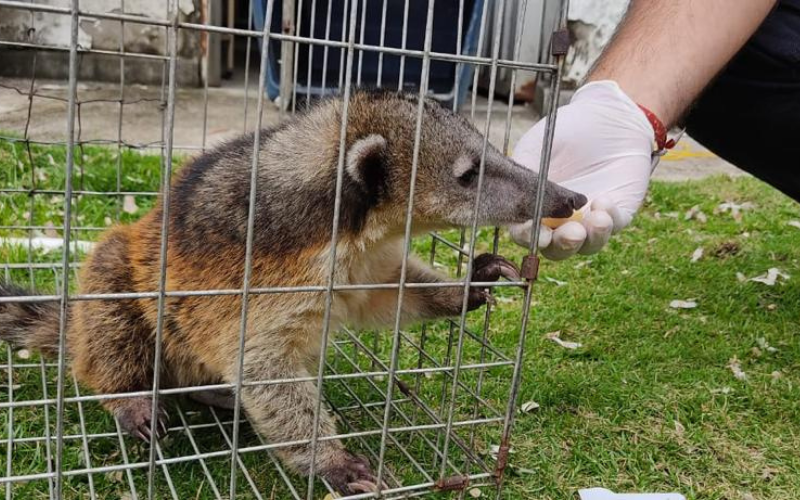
column 351, row 475
column 135, row 415
column 488, row 267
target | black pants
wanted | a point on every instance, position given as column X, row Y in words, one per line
column 750, row 115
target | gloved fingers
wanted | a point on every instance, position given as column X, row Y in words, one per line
column 521, row 234
column 598, row 225
column 567, row 240
column 620, row 218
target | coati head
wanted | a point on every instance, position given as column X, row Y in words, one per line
column 380, row 138
column 298, row 170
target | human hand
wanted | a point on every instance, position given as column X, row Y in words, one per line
column 602, row 148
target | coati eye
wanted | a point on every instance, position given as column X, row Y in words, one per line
column 465, row 170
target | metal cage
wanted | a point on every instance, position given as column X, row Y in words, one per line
column 413, row 401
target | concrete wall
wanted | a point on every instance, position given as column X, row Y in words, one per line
column 591, row 23
column 53, row 31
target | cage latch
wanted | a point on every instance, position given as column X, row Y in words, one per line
column 530, row 267
column 452, row 483
column 560, row 42
column 502, row 460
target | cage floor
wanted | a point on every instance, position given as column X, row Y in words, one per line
column 194, row 459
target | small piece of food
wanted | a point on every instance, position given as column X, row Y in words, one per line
column 554, row 223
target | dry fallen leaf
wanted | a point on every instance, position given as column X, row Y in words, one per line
column 24, row 354
column 741, row 278
column 683, row 304
column 129, row 204
column 727, row 249
column 734, row 208
column 776, row 375
column 494, row 450
column 697, row 254
column 474, row 492
column 696, row 213
column 114, row 476
column 555, row 337
column 764, row 345
column 583, row 263
column 529, row 406
column 736, row 368
column 771, row 277
column 50, row 230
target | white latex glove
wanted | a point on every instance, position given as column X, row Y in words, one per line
column 602, row 148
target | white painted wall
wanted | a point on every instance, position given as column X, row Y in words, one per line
column 592, row 23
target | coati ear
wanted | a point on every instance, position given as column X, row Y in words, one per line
column 366, row 162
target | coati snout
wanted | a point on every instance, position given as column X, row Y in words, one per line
column 111, row 342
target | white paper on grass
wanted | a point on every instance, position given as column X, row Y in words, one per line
column 683, row 304
column 604, row 494
column 129, row 204
column 771, row 277
column 555, row 281
column 555, row 337
column 47, row 243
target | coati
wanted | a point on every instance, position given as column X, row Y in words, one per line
column 111, row 342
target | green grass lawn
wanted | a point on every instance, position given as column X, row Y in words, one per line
column 649, row 402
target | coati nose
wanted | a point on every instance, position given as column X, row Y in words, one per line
column 577, row 201
column 562, row 202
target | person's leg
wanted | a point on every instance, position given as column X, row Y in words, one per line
column 750, row 115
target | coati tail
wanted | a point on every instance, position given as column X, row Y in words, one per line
column 33, row 325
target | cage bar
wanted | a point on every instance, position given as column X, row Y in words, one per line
column 420, row 403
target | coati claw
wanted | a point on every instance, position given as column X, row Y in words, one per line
column 134, row 417
column 490, row 267
column 362, row 486
column 485, row 268
column 351, row 476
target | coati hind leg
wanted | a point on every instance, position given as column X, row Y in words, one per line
column 284, row 412
column 113, row 352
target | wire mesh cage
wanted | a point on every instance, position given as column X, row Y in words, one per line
column 430, row 407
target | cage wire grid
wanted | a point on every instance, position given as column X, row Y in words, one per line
column 413, row 401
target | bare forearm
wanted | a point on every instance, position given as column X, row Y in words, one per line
column 666, row 51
